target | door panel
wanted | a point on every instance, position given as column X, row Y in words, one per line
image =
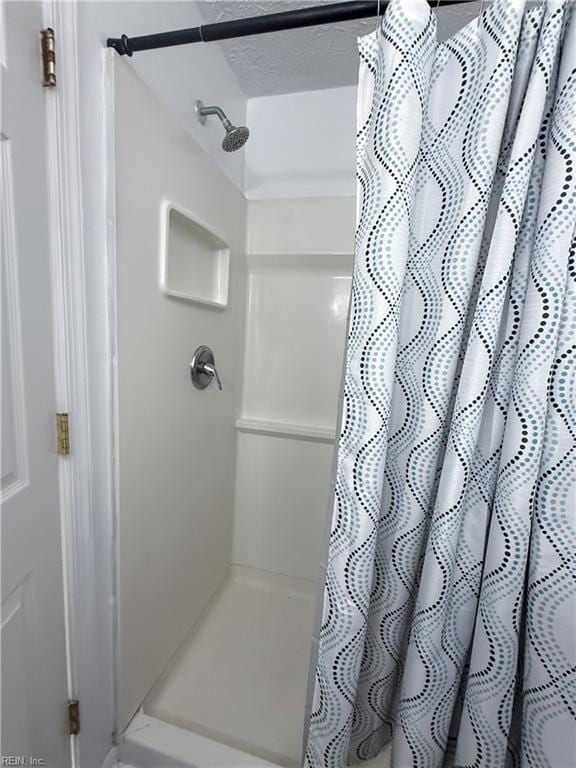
column 34, row 675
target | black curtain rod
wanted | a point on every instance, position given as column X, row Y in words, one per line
column 258, row 25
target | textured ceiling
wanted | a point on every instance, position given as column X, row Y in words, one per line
column 303, row 59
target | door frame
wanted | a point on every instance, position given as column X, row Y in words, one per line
column 86, row 476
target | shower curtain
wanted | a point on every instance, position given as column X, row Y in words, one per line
column 449, row 601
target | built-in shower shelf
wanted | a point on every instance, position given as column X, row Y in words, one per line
column 283, row 429
column 194, row 260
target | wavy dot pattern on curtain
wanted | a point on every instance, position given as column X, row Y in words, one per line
column 450, row 589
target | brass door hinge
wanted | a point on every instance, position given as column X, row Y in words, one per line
column 48, row 57
column 62, row 434
column 73, row 717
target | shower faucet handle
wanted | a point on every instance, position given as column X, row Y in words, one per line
column 212, row 371
column 203, row 368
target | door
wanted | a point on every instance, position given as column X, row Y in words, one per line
column 33, row 664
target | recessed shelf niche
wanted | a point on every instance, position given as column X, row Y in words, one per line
column 194, row 260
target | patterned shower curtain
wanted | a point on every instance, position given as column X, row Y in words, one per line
column 449, row 607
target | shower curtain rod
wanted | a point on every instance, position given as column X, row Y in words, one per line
column 258, row 25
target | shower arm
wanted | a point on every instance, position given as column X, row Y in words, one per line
column 204, row 112
column 258, row 25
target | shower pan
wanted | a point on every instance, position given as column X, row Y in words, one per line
column 240, row 679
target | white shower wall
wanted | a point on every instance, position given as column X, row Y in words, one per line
column 210, row 479
column 299, row 266
column 303, row 145
column 176, row 444
column 254, row 638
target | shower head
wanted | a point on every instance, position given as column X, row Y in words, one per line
column 236, row 136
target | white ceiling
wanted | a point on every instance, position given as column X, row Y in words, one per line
column 303, row 59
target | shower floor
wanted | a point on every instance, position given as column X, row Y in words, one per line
column 241, row 677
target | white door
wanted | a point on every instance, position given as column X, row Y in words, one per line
column 34, row 686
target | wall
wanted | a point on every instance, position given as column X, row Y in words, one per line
column 178, row 76
column 298, row 275
column 302, row 145
column 176, row 444
column 300, row 181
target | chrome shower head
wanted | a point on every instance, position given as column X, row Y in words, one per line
column 236, row 136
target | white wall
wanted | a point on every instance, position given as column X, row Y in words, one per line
column 302, row 145
column 298, row 277
column 178, row 77
column 176, row 448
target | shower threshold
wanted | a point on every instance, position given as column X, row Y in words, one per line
column 236, row 690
